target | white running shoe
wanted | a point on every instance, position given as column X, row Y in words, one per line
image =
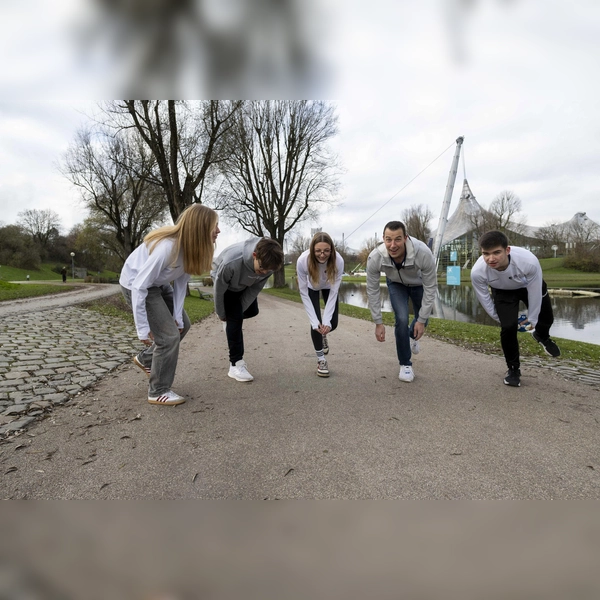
column 325, row 345
column 169, row 398
column 406, row 374
column 415, row 348
column 322, row 368
column 239, row 372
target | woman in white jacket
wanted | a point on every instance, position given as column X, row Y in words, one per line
column 319, row 271
column 168, row 254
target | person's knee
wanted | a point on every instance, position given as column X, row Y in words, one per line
column 509, row 329
column 168, row 339
column 251, row 311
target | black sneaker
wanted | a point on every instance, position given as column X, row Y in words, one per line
column 550, row 348
column 513, row 378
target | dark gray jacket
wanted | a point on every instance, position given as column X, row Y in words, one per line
column 234, row 270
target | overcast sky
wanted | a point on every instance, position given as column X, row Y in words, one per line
column 519, row 79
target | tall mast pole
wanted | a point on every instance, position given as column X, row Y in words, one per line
column 437, row 243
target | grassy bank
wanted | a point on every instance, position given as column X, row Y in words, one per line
column 115, row 306
column 482, row 338
column 45, row 273
column 14, row 291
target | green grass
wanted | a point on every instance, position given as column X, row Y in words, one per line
column 14, row 291
column 45, row 273
column 482, row 338
column 115, row 306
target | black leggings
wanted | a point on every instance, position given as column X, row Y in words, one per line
column 317, row 338
column 507, row 307
column 235, row 317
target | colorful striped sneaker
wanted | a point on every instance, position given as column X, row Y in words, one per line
column 138, row 363
column 169, row 398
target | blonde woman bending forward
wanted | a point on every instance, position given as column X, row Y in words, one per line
column 168, row 255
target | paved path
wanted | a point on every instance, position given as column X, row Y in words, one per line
column 455, row 432
column 82, row 293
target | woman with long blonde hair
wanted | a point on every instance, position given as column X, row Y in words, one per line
column 319, row 271
column 168, row 254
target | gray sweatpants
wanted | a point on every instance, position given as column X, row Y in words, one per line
column 162, row 356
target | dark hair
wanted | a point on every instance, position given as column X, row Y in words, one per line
column 394, row 226
column 269, row 254
column 493, row 239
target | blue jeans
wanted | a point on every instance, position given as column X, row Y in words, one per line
column 399, row 295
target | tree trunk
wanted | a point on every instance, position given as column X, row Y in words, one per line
column 279, row 278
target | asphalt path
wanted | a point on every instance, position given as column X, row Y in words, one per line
column 456, row 432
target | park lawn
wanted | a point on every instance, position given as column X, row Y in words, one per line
column 14, row 291
column 115, row 306
column 45, row 273
column 483, row 338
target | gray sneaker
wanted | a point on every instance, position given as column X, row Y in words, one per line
column 325, row 345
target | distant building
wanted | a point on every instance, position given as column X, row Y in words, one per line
column 461, row 233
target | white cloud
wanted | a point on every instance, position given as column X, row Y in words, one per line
column 517, row 79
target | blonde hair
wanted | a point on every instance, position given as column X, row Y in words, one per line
column 313, row 263
column 193, row 236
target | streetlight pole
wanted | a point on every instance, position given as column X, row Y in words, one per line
column 73, row 265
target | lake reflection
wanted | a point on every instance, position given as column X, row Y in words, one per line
column 574, row 318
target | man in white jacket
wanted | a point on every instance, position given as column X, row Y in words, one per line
column 410, row 271
column 513, row 275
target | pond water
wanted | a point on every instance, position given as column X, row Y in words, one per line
column 574, row 318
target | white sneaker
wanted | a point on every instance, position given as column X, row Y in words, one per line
column 169, row 398
column 406, row 374
column 414, row 346
column 325, row 345
column 322, row 368
column 239, row 372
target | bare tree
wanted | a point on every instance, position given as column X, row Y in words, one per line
column 417, row 218
column 502, row 215
column 298, row 245
column 41, row 225
column 280, row 169
column 185, row 138
column 367, row 247
column 505, row 209
column 114, row 175
column 551, row 234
